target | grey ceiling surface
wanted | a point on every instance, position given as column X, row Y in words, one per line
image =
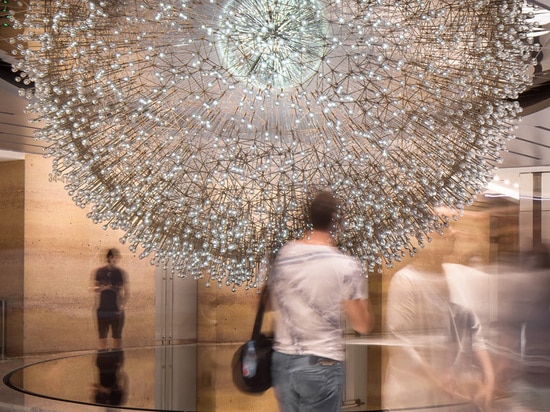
column 16, row 128
column 531, row 148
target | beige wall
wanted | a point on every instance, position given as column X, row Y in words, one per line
column 48, row 262
column 225, row 319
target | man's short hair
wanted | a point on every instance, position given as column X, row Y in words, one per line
column 113, row 253
column 322, row 210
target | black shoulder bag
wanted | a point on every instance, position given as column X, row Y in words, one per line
column 247, row 377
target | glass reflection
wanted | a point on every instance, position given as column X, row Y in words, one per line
column 443, row 358
column 508, row 291
column 112, row 385
column 522, row 352
column 502, row 361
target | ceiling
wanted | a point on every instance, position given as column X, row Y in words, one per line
column 532, row 144
column 529, row 151
column 16, row 127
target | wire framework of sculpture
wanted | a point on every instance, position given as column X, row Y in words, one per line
column 200, row 127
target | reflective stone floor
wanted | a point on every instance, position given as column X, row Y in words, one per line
column 159, row 379
column 129, row 379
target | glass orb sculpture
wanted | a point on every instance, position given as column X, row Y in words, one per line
column 199, row 128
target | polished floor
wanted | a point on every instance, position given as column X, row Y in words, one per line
column 12, row 400
column 131, row 379
column 165, row 379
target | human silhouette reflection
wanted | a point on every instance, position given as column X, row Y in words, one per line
column 441, row 357
column 112, row 385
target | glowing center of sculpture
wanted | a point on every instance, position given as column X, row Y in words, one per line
column 273, row 44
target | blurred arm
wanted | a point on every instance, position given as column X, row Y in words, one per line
column 360, row 315
column 483, row 399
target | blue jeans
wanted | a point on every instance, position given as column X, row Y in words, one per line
column 307, row 383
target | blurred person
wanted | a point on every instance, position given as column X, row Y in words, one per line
column 440, row 357
column 528, row 300
column 111, row 284
column 524, row 292
column 526, row 296
column 473, row 288
column 312, row 283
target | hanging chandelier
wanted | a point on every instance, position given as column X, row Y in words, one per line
column 199, row 128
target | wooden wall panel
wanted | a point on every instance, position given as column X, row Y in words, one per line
column 12, row 198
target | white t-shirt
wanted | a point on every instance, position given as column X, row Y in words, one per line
column 307, row 287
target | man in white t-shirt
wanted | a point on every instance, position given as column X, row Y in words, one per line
column 311, row 285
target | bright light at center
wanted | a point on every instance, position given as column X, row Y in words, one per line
column 273, row 44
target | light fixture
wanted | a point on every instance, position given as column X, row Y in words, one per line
column 199, row 128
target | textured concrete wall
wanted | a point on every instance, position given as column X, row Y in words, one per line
column 225, row 320
column 61, row 249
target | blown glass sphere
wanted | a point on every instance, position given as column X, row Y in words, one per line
column 199, row 128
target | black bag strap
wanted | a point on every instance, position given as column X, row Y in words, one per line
column 260, row 314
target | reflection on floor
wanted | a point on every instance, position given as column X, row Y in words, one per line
column 139, row 378
column 189, row 377
column 147, row 379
